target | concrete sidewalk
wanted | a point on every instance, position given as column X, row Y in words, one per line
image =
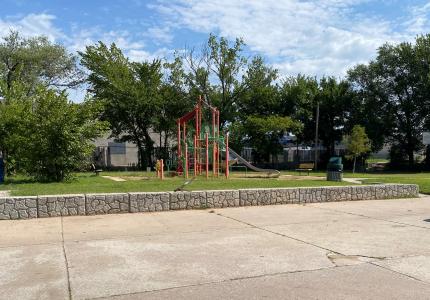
column 337, row 250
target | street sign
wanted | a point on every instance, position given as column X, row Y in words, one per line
column 426, row 138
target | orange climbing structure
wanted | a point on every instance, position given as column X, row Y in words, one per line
column 200, row 144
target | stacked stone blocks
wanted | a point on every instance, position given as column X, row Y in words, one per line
column 148, row 202
column 94, row 204
column 188, row 200
column 97, row 204
column 61, row 205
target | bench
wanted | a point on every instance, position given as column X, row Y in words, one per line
column 95, row 170
column 305, row 167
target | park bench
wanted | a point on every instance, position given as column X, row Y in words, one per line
column 305, row 167
column 95, row 170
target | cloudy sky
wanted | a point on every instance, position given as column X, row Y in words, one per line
column 314, row 37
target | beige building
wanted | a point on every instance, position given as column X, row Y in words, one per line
column 112, row 154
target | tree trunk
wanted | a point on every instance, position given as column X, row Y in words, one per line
column 160, row 146
column 166, row 151
column 410, row 156
column 353, row 167
column 427, row 161
column 149, row 147
column 141, row 155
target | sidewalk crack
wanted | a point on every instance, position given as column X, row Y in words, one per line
column 69, row 289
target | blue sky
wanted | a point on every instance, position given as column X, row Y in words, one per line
column 314, row 37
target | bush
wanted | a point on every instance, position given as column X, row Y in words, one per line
column 51, row 137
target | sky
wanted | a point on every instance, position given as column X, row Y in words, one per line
column 312, row 37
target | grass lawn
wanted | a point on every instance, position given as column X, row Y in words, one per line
column 89, row 183
column 422, row 178
column 146, row 182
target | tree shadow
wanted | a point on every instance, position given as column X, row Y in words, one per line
column 9, row 181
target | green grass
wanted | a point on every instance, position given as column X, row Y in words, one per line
column 89, row 183
column 422, row 179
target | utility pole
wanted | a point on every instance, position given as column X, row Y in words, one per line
column 316, row 135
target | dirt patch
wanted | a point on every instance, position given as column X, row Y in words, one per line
column 4, row 193
column 295, row 177
column 134, row 178
column 114, row 178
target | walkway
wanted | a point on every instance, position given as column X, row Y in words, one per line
column 343, row 250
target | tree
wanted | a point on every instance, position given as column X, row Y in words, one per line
column 357, row 143
column 264, row 134
column 397, row 84
column 298, row 100
column 33, row 61
column 129, row 92
column 175, row 102
column 215, row 73
column 44, row 134
column 261, row 94
column 226, row 63
column 60, row 137
column 15, row 109
column 369, row 107
column 335, row 110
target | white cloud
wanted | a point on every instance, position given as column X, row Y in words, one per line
column 85, row 37
column 419, row 21
column 32, row 25
column 159, row 34
column 43, row 24
column 313, row 37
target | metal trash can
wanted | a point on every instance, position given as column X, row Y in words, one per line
column 335, row 169
column 1, row 170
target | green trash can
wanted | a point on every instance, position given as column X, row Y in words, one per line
column 335, row 169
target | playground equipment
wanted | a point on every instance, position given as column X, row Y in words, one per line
column 200, row 145
column 237, row 158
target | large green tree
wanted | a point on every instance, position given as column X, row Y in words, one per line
column 130, row 93
column 397, row 85
column 175, row 102
column 334, row 98
column 298, row 100
column 36, row 60
column 259, row 122
column 215, row 72
column 300, row 97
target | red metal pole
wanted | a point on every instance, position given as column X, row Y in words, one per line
column 207, row 155
column 213, row 143
column 218, row 148
column 179, row 138
column 186, row 160
column 185, row 133
column 227, row 171
column 197, row 144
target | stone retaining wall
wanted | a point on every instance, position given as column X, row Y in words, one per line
column 94, row 204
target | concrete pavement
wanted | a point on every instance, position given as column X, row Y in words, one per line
column 337, row 250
